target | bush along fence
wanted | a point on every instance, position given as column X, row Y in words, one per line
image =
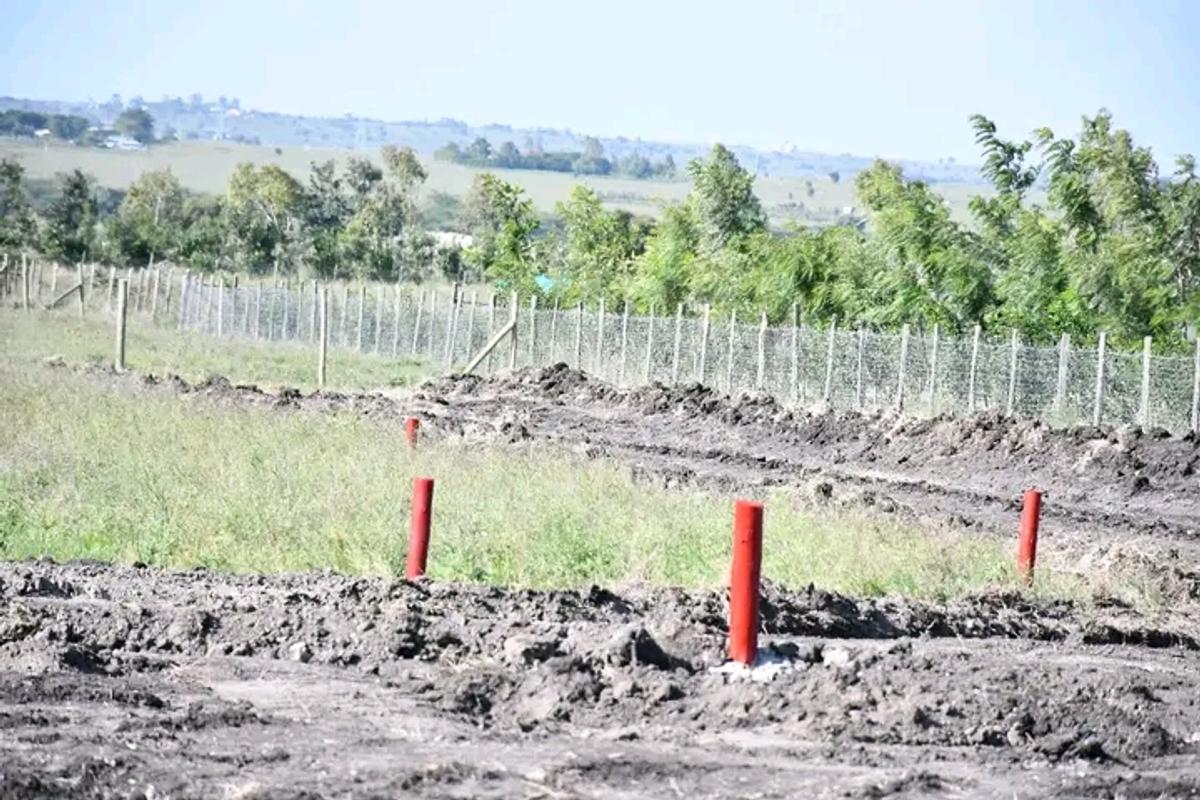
column 921, row 373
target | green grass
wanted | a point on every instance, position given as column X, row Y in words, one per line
column 162, row 349
column 92, row 468
column 206, row 167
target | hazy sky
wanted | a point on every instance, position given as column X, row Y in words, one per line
column 865, row 77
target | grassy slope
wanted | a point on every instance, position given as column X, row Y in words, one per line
column 101, row 469
column 161, row 350
column 206, row 167
column 131, row 474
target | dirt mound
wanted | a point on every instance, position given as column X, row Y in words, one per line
column 178, row 661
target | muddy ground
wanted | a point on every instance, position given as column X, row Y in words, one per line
column 135, row 682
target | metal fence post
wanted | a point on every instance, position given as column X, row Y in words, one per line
column 1144, row 411
column 1196, row 391
column 974, row 370
column 828, row 393
column 649, row 347
column 933, row 369
column 678, row 343
column 1010, row 404
column 762, row 354
column 1060, row 385
column 1098, row 408
column 624, row 343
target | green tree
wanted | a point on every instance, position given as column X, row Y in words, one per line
column 724, row 199
column 502, row 223
column 931, row 270
column 599, row 247
column 17, row 226
column 71, row 218
column 150, row 217
column 262, row 216
column 136, row 123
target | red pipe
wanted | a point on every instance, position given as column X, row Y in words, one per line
column 418, row 537
column 411, row 426
column 744, row 579
column 1027, row 547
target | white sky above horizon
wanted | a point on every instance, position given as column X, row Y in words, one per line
column 868, row 77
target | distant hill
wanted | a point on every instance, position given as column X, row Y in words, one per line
column 225, row 120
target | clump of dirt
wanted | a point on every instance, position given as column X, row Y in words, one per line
column 1003, row 677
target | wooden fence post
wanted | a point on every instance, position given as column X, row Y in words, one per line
column 323, row 343
column 1060, row 383
column 1011, row 404
column 24, row 283
column 649, row 347
column 111, row 298
column 396, row 329
column 471, row 323
column 704, row 329
column 378, row 315
column 362, row 308
column 974, row 370
column 122, row 306
column 154, row 296
column 933, row 369
column 491, row 329
column 903, row 368
column 514, row 310
column 678, row 344
column 53, row 280
column 533, row 359
column 554, row 332
column 828, row 394
column 342, row 340
column 314, row 323
column 762, row 353
column 1144, row 411
column 221, row 308
column 1098, row 406
column 183, row 298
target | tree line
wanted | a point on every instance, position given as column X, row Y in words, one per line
column 135, row 123
column 1114, row 246
column 590, row 161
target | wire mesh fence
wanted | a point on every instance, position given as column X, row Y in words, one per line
column 920, row 372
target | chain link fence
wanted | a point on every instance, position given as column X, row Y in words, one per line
column 923, row 373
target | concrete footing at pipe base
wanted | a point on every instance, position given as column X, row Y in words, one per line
column 782, row 656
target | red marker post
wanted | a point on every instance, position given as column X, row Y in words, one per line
column 1027, row 546
column 744, row 580
column 411, row 426
column 418, row 537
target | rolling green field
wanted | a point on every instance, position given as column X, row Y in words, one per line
column 206, row 167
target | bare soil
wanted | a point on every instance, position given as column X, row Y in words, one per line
column 125, row 681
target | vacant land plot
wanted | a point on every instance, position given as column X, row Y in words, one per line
column 218, row 656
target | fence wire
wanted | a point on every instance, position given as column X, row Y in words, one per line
column 923, row 372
